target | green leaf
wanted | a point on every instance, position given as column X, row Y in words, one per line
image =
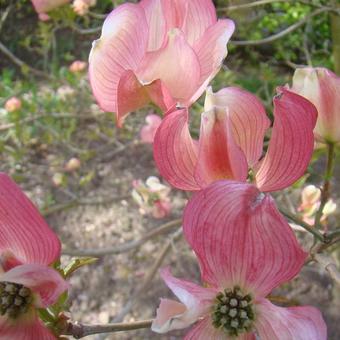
column 77, row 263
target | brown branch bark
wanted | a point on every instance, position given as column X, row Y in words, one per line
column 79, row 330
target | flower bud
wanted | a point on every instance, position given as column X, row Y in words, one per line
column 81, row 7
column 322, row 88
column 77, row 66
column 13, row 104
column 72, row 165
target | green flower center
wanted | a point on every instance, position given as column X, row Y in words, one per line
column 15, row 299
column 233, row 311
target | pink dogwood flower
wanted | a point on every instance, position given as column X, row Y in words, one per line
column 245, row 249
column 310, row 203
column 148, row 131
column 231, row 142
column 27, row 247
column 42, row 7
column 322, row 88
column 152, row 197
column 164, row 51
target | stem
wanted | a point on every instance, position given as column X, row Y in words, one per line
column 304, row 225
column 78, row 202
column 326, row 186
column 333, row 234
column 78, row 330
column 323, row 246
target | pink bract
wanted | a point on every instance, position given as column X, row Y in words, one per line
column 162, row 51
column 322, row 88
column 231, row 141
column 27, row 247
column 242, row 244
column 24, row 234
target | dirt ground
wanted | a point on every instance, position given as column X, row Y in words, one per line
column 100, row 291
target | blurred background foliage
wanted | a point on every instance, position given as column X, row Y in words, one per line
column 35, row 58
column 49, row 45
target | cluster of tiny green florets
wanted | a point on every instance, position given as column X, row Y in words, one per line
column 233, row 312
column 15, row 299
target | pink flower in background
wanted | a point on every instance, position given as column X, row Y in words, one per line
column 245, row 249
column 152, row 197
column 44, row 6
column 81, row 7
column 231, row 141
column 310, row 203
column 13, row 104
column 77, row 66
column 164, row 51
column 148, row 131
column 322, row 88
column 310, row 195
column 27, row 247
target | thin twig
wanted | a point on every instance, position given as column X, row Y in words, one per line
column 305, row 45
column 320, row 247
column 325, row 192
column 292, row 65
column 79, row 330
column 127, row 246
column 250, row 5
column 97, row 15
column 304, row 225
column 148, row 278
column 45, row 115
column 267, row 2
column 280, row 34
column 107, row 157
column 21, row 63
column 333, row 234
column 4, row 16
column 85, row 31
column 78, row 202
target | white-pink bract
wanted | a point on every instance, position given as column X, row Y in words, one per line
column 322, row 88
column 27, row 247
column 164, row 51
column 243, row 245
